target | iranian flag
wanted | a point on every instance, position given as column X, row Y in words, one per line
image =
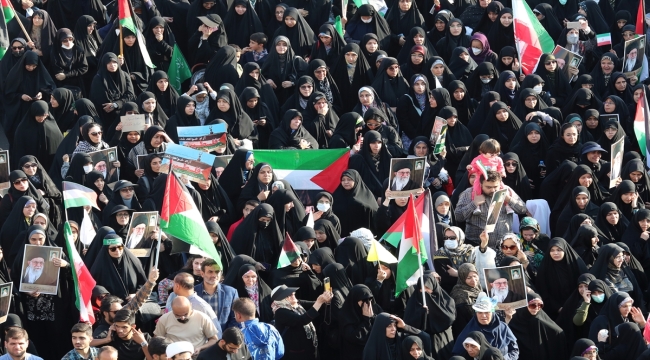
column 289, row 253
column 424, row 211
column 641, row 125
column 83, row 281
column 181, row 219
column 307, row 169
column 75, row 195
column 640, row 18
column 604, row 39
column 412, row 252
column 5, row 18
column 531, row 37
column 126, row 21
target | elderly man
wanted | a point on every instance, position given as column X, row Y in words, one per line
column 476, row 221
column 499, row 288
column 184, row 286
column 137, row 232
column 402, row 176
column 185, row 324
column 34, row 273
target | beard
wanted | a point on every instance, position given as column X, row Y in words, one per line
column 399, row 183
column 33, row 274
column 104, row 174
column 500, row 295
column 134, row 240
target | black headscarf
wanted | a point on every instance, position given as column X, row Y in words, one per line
column 122, row 276
column 625, row 187
column 331, row 233
column 356, row 207
column 614, row 233
column 356, row 29
column 352, row 255
column 478, row 119
column 110, row 87
column 241, row 27
column 222, row 68
column 288, row 222
column 389, row 88
column 461, row 69
column 300, row 35
column 286, row 138
column 241, row 125
column 442, row 309
column 264, row 301
column 502, row 131
column 166, row 100
column 320, row 52
column 159, row 116
column 262, row 244
column 362, row 76
column 556, row 279
column 34, row 138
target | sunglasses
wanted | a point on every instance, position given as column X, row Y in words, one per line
column 510, row 163
column 19, row 181
column 115, row 248
column 450, row 238
column 96, row 133
column 550, row 62
column 534, row 306
column 506, row 247
column 30, row 166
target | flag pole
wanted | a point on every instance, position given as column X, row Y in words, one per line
column 121, row 42
column 424, row 299
column 20, row 23
column 155, row 264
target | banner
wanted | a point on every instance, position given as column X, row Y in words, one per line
column 189, row 163
column 207, row 138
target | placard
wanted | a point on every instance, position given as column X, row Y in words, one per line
column 438, row 133
column 604, row 118
column 103, row 162
column 142, row 233
column 206, row 138
column 133, row 122
column 566, row 59
column 617, row 161
column 495, row 208
column 38, row 273
column 4, row 170
column 633, row 59
column 5, row 300
column 507, row 284
column 406, row 176
column 190, row 163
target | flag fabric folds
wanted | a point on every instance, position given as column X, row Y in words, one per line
column 179, row 70
column 75, row 195
column 531, row 37
column 83, row 281
column 412, row 251
column 289, row 253
column 641, row 125
column 126, row 20
column 5, row 17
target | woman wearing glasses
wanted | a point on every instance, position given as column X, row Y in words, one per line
column 20, row 186
column 123, row 194
column 119, row 271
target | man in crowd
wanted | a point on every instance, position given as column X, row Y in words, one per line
column 82, row 333
column 158, row 348
column 185, row 324
column 184, row 286
column 263, row 340
column 230, row 347
column 16, row 342
column 131, row 343
column 219, row 296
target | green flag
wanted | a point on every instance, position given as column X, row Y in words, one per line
column 179, row 71
column 338, row 25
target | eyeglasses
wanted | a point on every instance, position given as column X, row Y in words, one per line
column 306, row 86
column 506, row 247
column 511, row 163
column 122, row 215
column 19, row 181
column 538, row 306
column 115, row 248
column 449, row 238
column 67, row 40
column 129, row 189
column 96, row 133
column 609, row 102
column 30, row 165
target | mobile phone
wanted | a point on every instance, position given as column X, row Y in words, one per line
column 328, row 286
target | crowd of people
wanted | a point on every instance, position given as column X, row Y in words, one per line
column 377, row 79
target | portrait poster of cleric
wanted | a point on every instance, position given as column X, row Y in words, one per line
column 406, row 176
column 507, row 285
column 5, row 300
column 142, row 233
column 633, row 59
column 38, row 271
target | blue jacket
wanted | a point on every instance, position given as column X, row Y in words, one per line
column 263, row 340
column 226, row 295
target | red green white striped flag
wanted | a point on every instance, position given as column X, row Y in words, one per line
column 307, row 169
column 75, row 195
column 181, row 219
column 289, row 253
column 126, row 20
column 83, row 281
column 604, row 39
column 531, row 37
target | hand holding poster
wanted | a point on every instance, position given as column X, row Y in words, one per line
column 39, row 272
column 406, row 177
column 132, row 123
column 507, row 285
column 192, row 164
column 438, row 133
column 566, row 60
column 496, row 204
column 5, row 300
column 4, row 169
column 206, row 138
column 617, row 162
column 105, row 161
column 633, row 61
column 142, row 233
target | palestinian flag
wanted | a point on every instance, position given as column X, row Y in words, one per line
column 412, row 252
column 5, row 17
column 641, row 125
column 83, row 281
column 290, row 252
column 181, row 218
column 126, row 20
column 307, row 169
column 640, row 18
column 424, row 211
column 75, row 195
column 531, row 37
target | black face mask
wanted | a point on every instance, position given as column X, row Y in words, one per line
column 183, row 321
column 264, row 224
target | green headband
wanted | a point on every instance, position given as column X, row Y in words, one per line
column 112, row 241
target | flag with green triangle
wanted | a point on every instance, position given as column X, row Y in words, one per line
column 6, row 16
column 126, row 21
column 338, row 25
column 179, row 70
column 412, row 251
column 289, row 253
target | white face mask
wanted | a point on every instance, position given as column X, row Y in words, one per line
column 367, row 21
column 537, row 89
column 67, row 47
column 451, row 244
column 323, row 207
column 572, row 38
column 88, row 168
column 486, row 81
column 476, row 51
